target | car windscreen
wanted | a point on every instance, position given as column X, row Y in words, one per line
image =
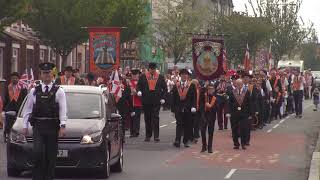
column 81, row 106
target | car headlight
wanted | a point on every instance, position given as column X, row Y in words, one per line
column 92, row 138
column 16, row 137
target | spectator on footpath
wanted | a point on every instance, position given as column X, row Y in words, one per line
column 316, row 99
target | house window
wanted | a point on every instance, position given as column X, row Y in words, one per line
column 15, row 59
column 1, row 62
column 41, row 55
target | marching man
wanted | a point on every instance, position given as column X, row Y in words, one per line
column 152, row 88
column 136, row 102
column 183, row 105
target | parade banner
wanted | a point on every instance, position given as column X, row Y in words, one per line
column 207, row 57
column 104, row 44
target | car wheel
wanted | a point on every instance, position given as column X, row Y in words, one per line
column 13, row 172
column 118, row 167
column 105, row 171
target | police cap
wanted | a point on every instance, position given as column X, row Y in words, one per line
column 47, row 66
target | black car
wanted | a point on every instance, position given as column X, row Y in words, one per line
column 93, row 139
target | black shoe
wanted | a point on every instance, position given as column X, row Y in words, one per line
column 300, row 116
column 247, row 144
column 156, row 140
column 204, row 149
column 220, row 128
column 210, row 150
column 195, row 141
column 176, row 144
column 186, row 145
column 236, row 147
column 244, row 147
column 147, row 140
column 226, row 128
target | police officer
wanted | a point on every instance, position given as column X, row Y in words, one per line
column 46, row 112
column 183, row 105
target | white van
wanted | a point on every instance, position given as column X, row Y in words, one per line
column 291, row 64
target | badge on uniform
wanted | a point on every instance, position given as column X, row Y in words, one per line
column 239, row 108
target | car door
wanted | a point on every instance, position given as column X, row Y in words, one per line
column 114, row 125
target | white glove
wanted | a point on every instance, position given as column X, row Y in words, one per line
column 162, row 101
column 228, row 115
column 133, row 114
column 193, row 110
column 250, row 117
column 257, row 113
column 3, row 115
column 139, row 93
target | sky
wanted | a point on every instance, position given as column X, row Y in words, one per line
column 309, row 11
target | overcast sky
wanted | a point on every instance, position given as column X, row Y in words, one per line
column 309, row 12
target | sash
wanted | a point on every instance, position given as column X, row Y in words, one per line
column 198, row 99
column 183, row 91
column 239, row 98
column 14, row 95
column 211, row 102
column 275, row 82
column 152, row 82
column 278, row 97
column 64, row 80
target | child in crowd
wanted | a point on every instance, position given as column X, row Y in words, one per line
column 316, row 99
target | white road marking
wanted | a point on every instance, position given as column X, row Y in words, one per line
column 232, row 171
column 283, row 120
column 173, row 122
column 277, row 125
column 163, row 126
column 269, row 131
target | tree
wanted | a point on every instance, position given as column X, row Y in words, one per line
column 309, row 52
column 288, row 32
column 240, row 30
column 12, row 10
column 177, row 20
column 59, row 22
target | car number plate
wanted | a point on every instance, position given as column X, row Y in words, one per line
column 62, row 153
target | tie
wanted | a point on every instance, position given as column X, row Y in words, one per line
column 47, row 89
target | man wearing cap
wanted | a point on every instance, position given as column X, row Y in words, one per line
column 13, row 98
column 153, row 88
column 136, row 102
column 240, row 109
column 67, row 78
column 183, row 106
column 45, row 110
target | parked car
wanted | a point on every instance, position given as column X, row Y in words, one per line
column 93, row 140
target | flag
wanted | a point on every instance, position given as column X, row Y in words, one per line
column 270, row 61
column 23, row 81
column 116, row 86
column 246, row 61
column 31, row 79
column 225, row 63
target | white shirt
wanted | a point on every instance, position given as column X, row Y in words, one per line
column 301, row 88
column 268, row 85
column 60, row 99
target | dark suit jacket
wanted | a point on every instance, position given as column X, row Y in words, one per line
column 14, row 105
column 246, row 106
column 152, row 97
column 124, row 104
column 184, row 105
column 272, row 82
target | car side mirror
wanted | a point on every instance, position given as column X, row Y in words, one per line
column 115, row 117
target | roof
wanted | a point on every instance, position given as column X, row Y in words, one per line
column 83, row 89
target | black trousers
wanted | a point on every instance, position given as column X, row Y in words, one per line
column 239, row 127
column 208, row 122
column 9, row 121
column 183, row 127
column 196, row 118
column 45, row 147
column 266, row 112
column 298, row 97
column 135, row 124
column 151, row 117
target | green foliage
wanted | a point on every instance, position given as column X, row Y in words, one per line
column 288, row 32
column 59, row 23
column 12, row 10
column 177, row 21
column 241, row 29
